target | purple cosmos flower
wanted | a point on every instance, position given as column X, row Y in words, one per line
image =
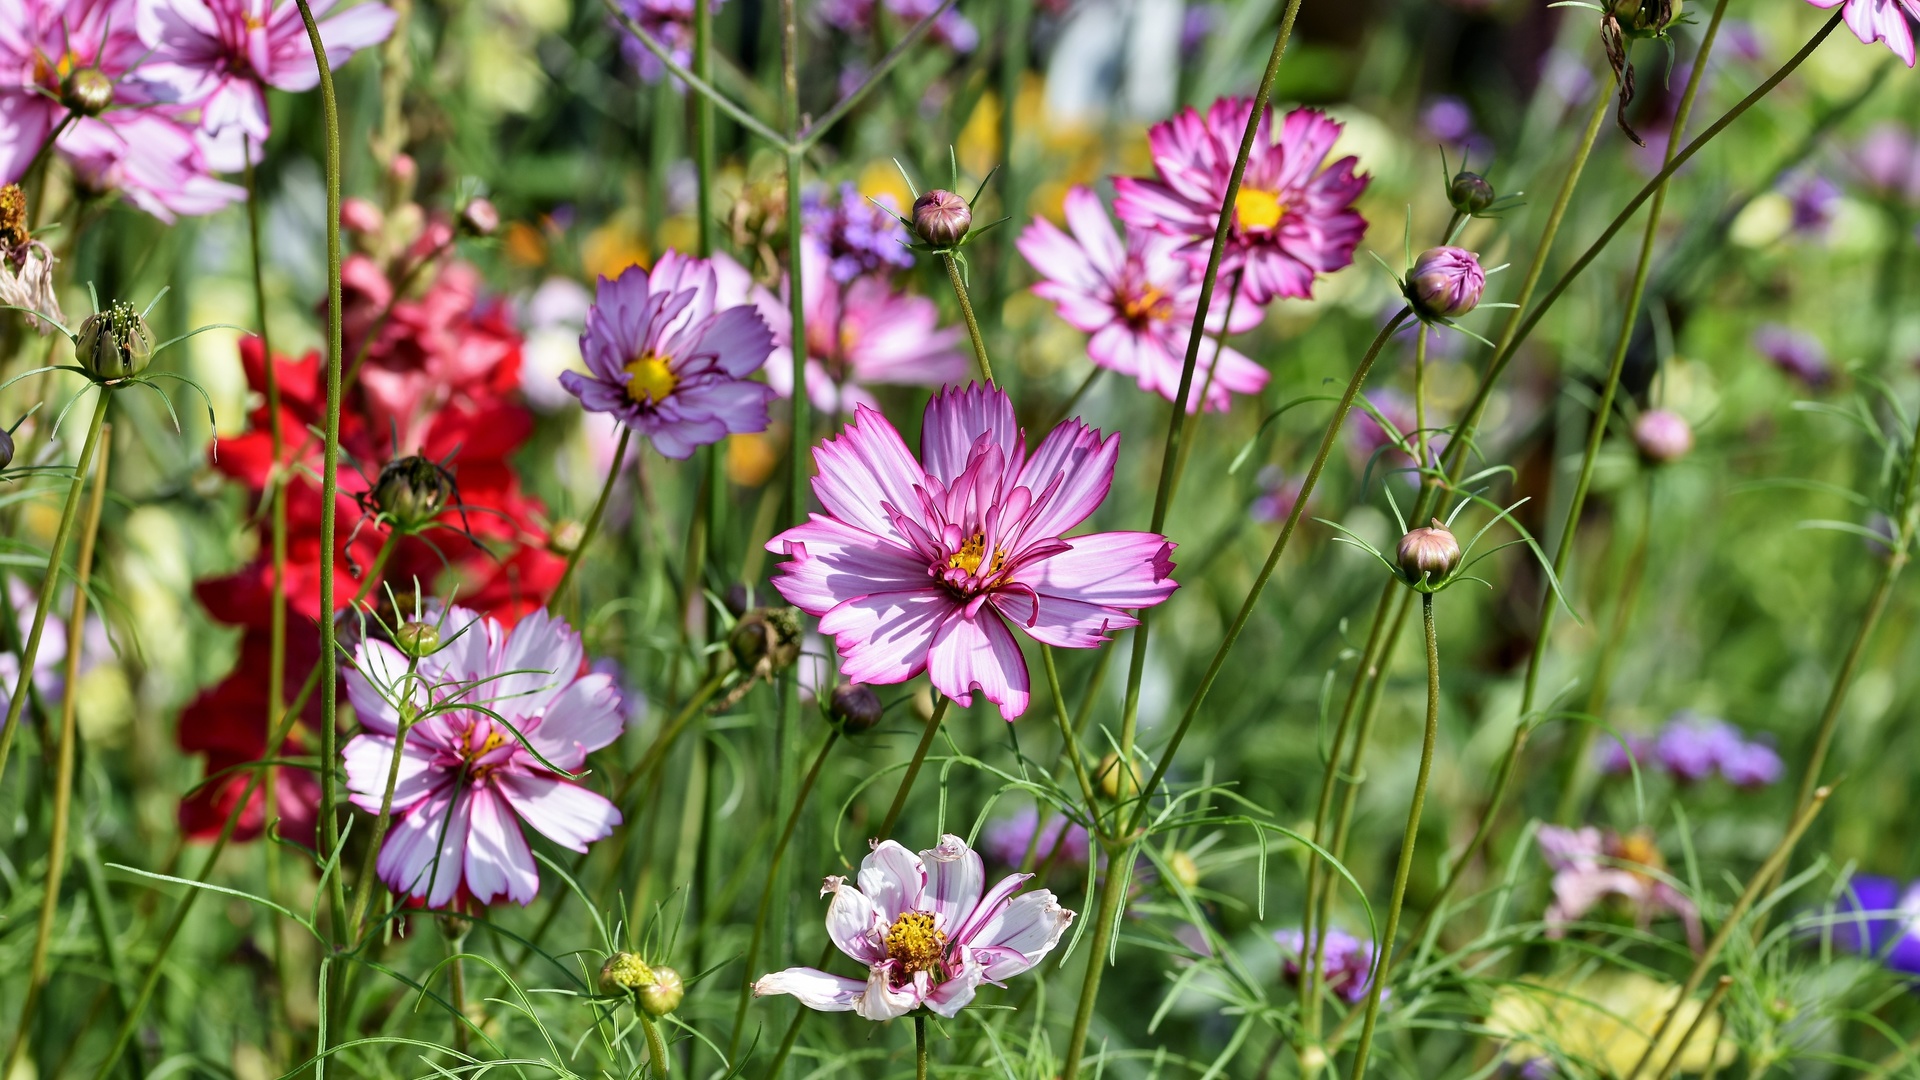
column 1751, row 764
column 225, row 53
column 1590, row 867
column 1880, row 20
column 467, row 780
column 1446, row 282
column 1138, row 302
column 670, row 22
column 1887, row 160
column 1008, row 839
column 921, row 565
column 1293, row 218
column 864, row 332
column 857, row 236
column 927, row 931
column 1812, row 198
column 667, row 363
column 1278, row 493
column 1691, row 746
column 1795, row 352
column 1618, row 760
column 951, row 29
column 1881, row 919
column 1349, row 962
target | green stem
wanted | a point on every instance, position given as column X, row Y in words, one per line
column 767, row 891
column 703, row 133
column 657, row 1059
column 919, row 1045
column 457, row 989
column 366, row 882
column 1407, row 841
column 593, row 518
column 966, row 312
column 1069, row 744
column 1755, row 885
column 1419, row 446
column 50, row 583
column 1108, row 913
column 63, row 782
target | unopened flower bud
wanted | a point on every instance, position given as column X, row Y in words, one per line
column 1445, row 283
column 855, row 707
column 417, row 639
column 115, row 343
column 739, row 599
column 1469, row 192
column 663, row 994
column 1116, row 782
column 480, row 217
column 411, row 491
column 6, row 448
column 86, row 91
column 766, row 640
column 1429, row 553
column 361, row 217
column 565, row 537
column 941, row 218
column 1662, row 436
column 1644, row 18
column 624, row 971
column 1184, row 870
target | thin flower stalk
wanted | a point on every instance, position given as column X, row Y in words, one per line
column 656, row 1046
column 1405, row 867
column 1756, row 885
column 64, row 767
column 368, row 880
column 966, row 312
column 920, row 1056
column 592, row 524
column 50, row 583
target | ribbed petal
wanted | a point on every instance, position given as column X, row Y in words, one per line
column 894, row 879
column 955, row 877
column 954, row 421
column 978, row 652
column 816, row 989
column 564, row 812
column 885, row 638
column 854, row 923
column 498, row 861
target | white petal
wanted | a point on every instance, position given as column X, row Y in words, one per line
column 816, row 989
column 894, row 879
column 881, row 1001
column 955, row 877
column 1023, row 934
column 854, row 923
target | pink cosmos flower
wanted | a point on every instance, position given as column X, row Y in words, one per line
column 1445, row 282
column 663, row 358
column 466, row 777
column 1880, row 20
column 1590, row 867
column 1138, row 302
column 1293, row 217
column 225, row 53
column 927, row 933
column 864, row 331
column 921, row 565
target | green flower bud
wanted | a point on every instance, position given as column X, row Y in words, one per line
column 411, row 491
column 855, row 707
column 418, row 639
column 1470, row 193
column 1114, row 781
column 1431, row 553
column 1184, row 870
column 115, row 343
column 86, row 91
column 663, row 994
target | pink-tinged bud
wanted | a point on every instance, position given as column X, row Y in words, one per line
column 1431, row 553
column 87, row 91
column 941, row 218
column 1470, row 193
column 480, row 218
column 1446, row 282
column 404, row 171
column 361, row 217
column 663, row 994
column 1662, row 436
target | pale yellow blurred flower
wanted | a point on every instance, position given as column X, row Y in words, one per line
column 1605, row 1022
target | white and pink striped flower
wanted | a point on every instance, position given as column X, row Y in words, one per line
column 927, row 931
column 922, row 565
column 466, row 780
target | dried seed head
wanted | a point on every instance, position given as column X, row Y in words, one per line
column 941, row 218
column 411, row 491
column 1470, row 193
column 115, row 343
column 13, row 219
column 855, row 707
column 1428, row 553
column 1663, row 437
column 663, row 994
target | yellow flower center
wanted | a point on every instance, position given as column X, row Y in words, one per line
column 1256, row 209
column 973, row 553
column 1150, row 305
column 914, row 942
column 649, row 379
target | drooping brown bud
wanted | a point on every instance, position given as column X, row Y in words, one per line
column 941, row 218
column 855, row 707
column 115, row 343
column 411, row 491
column 1428, row 553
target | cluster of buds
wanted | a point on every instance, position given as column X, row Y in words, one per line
column 656, row 990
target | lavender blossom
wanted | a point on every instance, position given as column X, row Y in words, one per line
column 1348, row 960
column 858, row 236
column 1795, row 352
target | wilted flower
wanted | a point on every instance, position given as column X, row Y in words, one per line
column 921, row 565
column 468, row 780
column 667, row 363
column 1293, row 216
column 1795, row 352
column 1880, row 20
column 941, row 218
column 1138, row 301
column 1662, row 437
column 1348, row 959
column 1590, row 867
column 1445, row 283
column 26, row 264
column 927, row 933
column 856, row 235
column 1604, row 1022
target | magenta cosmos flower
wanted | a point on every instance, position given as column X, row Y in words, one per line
column 1293, row 218
column 225, row 53
column 860, row 332
column 667, row 363
column 920, row 565
column 1138, row 300
column 1445, row 283
column 1590, row 867
column 1880, row 20
column 927, row 932
column 467, row 779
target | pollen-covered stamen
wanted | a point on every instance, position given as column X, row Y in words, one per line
column 650, row 378
column 1257, row 209
column 914, row 943
column 1145, row 306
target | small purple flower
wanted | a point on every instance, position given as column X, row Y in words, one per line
column 1812, row 198
column 1197, row 26
column 1008, row 839
column 1887, row 161
column 1278, row 493
column 1795, row 352
column 1618, row 760
column 858, row 236
column 1448, row 119
column 670, row 22
column 1691, row 747
column 951, row 29
column 662, row 359
column 1742, row 40
column 1879, row 918
column 1751, row 764
column 1349, row 962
